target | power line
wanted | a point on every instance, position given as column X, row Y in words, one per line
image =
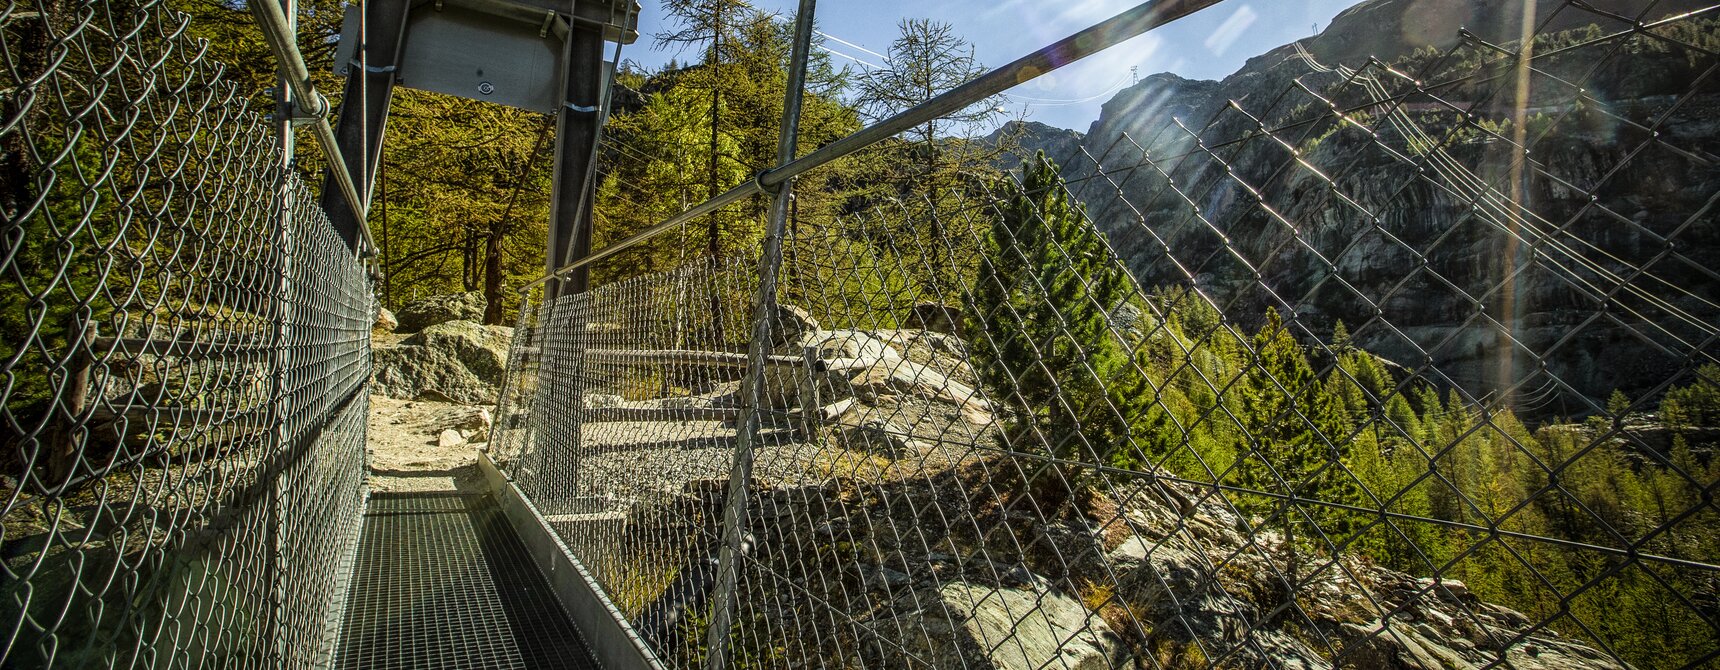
column 862, row 49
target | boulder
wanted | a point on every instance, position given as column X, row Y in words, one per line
column 478, row 419
column 789, row 324
column 855, row 347
column 385, row 321
column 879, row 436
column 430, row 311
column 602, row 400
column 842, row 353
column 450, row 438
column 965, row 625
column 900, row 377
column 1131, row 319
column 935, row 317
column 460, row 361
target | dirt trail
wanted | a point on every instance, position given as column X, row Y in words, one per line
column 405, row 454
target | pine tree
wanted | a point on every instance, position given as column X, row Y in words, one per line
column 1044, row 290
column 1298, row 436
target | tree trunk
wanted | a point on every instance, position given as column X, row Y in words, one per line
column 713, row 241
column 469, row 261
column 493, row 274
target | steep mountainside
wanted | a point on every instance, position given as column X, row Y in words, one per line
column 1398, row 201
column 1023, row 139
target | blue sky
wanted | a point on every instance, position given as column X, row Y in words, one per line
column 1207, row 45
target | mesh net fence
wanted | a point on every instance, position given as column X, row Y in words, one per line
column 186, row 347
column 1408, row 362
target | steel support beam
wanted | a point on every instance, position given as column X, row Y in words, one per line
column 364, row 111
column 576, row 128
column 735, row 521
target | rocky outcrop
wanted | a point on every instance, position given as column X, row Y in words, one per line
column 960, row 571
column 1379, row 233
column 456, row 361
column 962, row 626
column 430, row 311
column 1021, row 140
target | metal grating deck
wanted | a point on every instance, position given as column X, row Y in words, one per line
column 442, row 581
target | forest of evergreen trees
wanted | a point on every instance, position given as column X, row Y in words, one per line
column 1379, row 461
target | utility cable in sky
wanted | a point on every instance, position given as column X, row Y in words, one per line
column 869, row 66
column 852, row 45
column 1052, row 102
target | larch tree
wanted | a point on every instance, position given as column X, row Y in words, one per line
column 927, row 59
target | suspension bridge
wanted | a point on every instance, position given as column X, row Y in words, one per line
column 1095, row 415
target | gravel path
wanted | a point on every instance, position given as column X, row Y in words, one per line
column 404, row 451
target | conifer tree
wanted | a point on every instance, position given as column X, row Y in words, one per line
column 1045, row 290
column 1298, row 436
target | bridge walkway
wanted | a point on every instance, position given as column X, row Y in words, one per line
column 442, row 581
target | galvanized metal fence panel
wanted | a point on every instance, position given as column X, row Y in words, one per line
column 1400, row 364
column 185, row 355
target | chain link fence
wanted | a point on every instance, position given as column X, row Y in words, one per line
column 186, row 347
column 1407, row 362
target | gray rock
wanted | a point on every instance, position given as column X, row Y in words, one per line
column 880, row 578
column 459, row 361
column 1129, row 318
column 900, row 377
column 790, row 324
column 1168, row 580
column 601, row 400
column 935, row 317
column 967, row 626
column 842, row 352
column 430, row 311
column 479, row 419
column 385, row 321
column 450, row 438
column 847, row 345
column 880, row 437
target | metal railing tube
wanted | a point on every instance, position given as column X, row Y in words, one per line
column 1095, row 38
column 283, row 42
column 1098, row 37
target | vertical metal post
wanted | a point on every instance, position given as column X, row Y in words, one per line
column 364, row 110
column 576, row 129
column 282, row 359
column 764, row 308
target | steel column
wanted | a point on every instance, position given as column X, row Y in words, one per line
column 576, row 129
column 364, row 112
column 764, row 308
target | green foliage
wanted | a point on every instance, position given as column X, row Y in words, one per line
column 1297, row 431
column 1045, row 289
column 1697, row 404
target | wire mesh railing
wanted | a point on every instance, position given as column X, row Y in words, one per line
column 185, row 353
column 1404, row 362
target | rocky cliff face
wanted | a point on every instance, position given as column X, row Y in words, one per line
column 1399, row 202
column 1021, row 140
